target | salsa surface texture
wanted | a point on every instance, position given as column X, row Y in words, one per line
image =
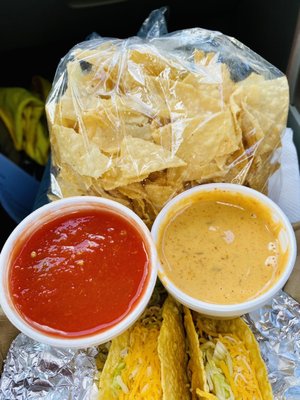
column 80, row 273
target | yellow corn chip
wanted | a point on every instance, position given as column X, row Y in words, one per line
column 200, row 141
column 159, row 195
column 155, row 64
column 140, row 157
column 83, row 156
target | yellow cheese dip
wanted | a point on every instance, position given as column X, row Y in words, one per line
column 221, row 247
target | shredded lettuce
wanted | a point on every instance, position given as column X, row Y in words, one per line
column 220, row 351
column 214, row 353
column 117, row 380
column 152, row 317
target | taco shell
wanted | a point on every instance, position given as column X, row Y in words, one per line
column 149, row 360
column 225, row 361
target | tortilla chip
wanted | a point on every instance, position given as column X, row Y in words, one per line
column 140, row 157
column 114, row 178
column 81, row 82
column 155, row 64
column 212, row 79
column 200, row 141
column 133, row 191
column 265, row 106
column 65, row 113
column 96, row 189
column 200, row 57
column 159, row 195
column 259, row 108
column 184, row 99
column 102, row 129
column 111, row 121
column 82, row 155
column 139, row 201
column 149, row 98
column 96, row 54
column 260, row 171
column 71, row 183
column 238, row 165
column 228, row 85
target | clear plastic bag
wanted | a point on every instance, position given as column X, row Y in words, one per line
column 142, row 119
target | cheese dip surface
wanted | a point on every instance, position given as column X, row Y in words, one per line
column 221, row 247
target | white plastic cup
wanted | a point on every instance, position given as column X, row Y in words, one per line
column 47, row 213
column 228, row 310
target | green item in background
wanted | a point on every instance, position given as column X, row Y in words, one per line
column 23, row 113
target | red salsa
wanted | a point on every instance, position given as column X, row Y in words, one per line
column 79, row 274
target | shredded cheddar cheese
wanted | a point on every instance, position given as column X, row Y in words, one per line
column 228, row 376
column 204, row 395
column 244, row 377
column 141, row 376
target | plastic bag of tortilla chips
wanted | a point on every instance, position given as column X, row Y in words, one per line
column 142, row 119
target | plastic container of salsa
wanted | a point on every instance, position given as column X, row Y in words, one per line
column 77, row 272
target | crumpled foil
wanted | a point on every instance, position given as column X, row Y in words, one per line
column 276, row 327
column 36, row 371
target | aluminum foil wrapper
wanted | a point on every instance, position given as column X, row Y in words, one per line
column 276, row 327
column 36, row 371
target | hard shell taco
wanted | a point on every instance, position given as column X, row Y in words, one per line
column 149, row 360
column 225, row 361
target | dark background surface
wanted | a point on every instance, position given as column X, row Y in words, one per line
column 36, row 34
